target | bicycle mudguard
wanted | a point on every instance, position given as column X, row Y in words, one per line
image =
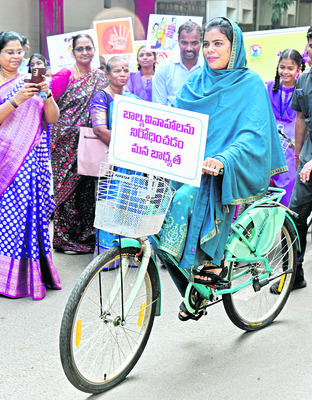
column 291, row 221
column 130, row 242
column 259, row 227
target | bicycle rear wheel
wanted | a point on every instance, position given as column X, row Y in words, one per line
column 98, row 348
column 250, row 309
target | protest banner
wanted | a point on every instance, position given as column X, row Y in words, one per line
column 163, row 30
column 114, row 37
column 157, row 139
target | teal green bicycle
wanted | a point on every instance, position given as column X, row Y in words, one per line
column 110, row 312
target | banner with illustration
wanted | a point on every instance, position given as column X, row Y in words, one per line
column 264, row 47
column 114, row 37
column 162, row 33
column 60, row 49
column 159, row 140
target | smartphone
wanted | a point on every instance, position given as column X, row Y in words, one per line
column 36, row 75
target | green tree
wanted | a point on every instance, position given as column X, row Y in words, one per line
column 277, row 7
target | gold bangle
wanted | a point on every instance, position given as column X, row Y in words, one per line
column 14, row 105
column 17, row 104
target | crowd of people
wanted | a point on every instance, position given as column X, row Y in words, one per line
column 39, row 132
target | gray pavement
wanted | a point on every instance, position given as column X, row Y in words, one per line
column 207, row 359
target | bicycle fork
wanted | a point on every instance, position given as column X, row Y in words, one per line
column 145, row 248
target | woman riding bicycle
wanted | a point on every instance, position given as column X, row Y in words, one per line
column 241, row 138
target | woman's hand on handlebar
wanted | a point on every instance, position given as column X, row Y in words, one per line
column 214, row 164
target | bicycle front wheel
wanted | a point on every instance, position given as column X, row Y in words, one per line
column 254, row 307
column 99, row 343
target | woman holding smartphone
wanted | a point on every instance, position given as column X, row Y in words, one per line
column 26, row 267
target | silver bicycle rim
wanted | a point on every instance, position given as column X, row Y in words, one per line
column 102, row 347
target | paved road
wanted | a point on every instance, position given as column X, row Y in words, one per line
column 207, row 359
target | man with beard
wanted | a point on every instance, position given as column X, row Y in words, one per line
column 172, row 73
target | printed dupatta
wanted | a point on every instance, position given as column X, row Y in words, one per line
column 18, row 132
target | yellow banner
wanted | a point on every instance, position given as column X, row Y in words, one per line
column 264, row 47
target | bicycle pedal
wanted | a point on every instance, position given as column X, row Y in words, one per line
column 221, row 284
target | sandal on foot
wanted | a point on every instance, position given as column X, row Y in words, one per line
column 206, row 276
column 188, row 315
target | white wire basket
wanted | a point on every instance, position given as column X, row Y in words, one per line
column 131, row 205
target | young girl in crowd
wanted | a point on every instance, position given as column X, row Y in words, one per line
column 280, row 93
column 39, row 61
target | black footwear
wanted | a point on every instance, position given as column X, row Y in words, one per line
column 204, row 271
column 297, row 285
column 189, row 315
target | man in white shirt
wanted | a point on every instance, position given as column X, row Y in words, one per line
column 172, row 73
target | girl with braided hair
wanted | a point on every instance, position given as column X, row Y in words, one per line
column 280, row 92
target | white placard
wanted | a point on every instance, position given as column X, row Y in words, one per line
column 157, row 139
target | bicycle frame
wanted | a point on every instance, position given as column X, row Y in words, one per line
column 276, row 210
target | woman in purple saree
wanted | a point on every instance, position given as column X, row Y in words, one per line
column 26, row 267
column 74, row 194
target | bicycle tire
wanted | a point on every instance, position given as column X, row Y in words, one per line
column 252, row 310
column 97, row 350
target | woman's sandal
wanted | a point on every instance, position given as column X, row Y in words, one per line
column 188, row 315
column 208, row 278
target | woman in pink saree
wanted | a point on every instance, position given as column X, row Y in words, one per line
column 73, row 89
column 26, row 267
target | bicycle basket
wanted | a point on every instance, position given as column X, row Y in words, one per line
column 131, row 205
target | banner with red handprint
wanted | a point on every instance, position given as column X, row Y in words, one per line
column 114, row 36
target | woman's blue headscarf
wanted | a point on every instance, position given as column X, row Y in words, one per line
column 242, row 134
column 242, row 131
